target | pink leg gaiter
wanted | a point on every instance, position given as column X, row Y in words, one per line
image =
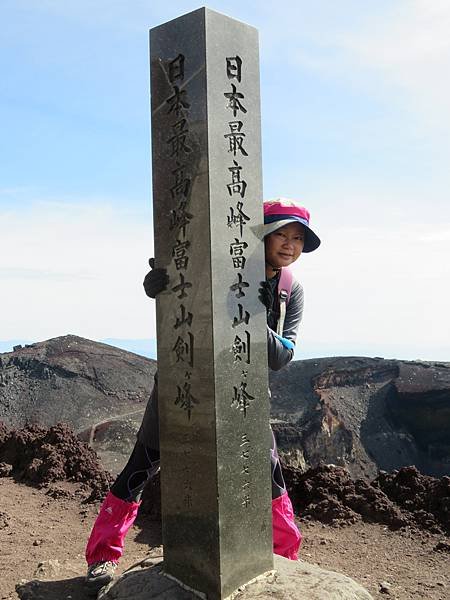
column 107, row 537
column 286, row 535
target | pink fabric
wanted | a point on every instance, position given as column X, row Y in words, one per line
column 284, row 206
column 286, row 535
column 285, row 282
column 107, row 537
column 116, row 516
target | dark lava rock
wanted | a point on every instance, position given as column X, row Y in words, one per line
column 328, row 494
column 74, row 380
column 364, row 414
column 4, row 433
column 5, row 469
column 426, row 498
column 442, row 546
column 41, row 455
column 4, row 520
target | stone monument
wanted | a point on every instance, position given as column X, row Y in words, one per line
column 211, row 327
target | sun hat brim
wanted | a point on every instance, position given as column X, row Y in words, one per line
column 312, row 241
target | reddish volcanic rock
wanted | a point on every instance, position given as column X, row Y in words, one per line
column 39, row 456
column 406, row 497
column 328, row 494
column 426, row 498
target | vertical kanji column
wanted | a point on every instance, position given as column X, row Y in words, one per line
column 212, row 340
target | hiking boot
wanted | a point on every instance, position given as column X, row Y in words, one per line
column 100, row 574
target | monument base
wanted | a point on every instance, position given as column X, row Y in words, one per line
column 291, row 579
column 264, row 577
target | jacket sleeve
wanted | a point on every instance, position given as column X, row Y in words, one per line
column 279, row 353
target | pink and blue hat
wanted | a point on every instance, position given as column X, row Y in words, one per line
column 281, row 211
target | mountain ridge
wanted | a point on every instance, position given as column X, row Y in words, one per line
column 361, row 413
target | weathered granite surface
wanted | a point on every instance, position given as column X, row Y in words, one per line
column 292, row 580
column 211, row 327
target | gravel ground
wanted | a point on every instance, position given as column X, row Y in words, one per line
column 43, row 533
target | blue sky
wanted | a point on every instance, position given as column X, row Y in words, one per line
column 355, row 124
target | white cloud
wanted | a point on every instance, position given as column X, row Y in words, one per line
column 20, row 273
column 441, row 235
column 393, row 55
column 403, row 53
column 378, row 288
column 380, row 276
column 78, row 269
column 74, row 269
column 408, row 36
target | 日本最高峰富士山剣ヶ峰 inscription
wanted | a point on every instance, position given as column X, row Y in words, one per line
column 212, row 354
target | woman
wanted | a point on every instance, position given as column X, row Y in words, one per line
column 286, row 235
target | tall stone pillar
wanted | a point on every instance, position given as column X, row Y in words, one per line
column 212, row 341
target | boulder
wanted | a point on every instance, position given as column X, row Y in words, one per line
column 291, row 580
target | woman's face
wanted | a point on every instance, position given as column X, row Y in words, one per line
column 285, row 245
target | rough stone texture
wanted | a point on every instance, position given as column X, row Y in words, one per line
column 292, row 580
column 72, row 379
column 100, row 390
column 330, row 495
column 52, row 569
column 212, row 341
column 426, row 498
column 39, row 456
column 360, row 413
column 365, row 414
column 406, row 497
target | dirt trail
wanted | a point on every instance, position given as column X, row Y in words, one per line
column 94, row 427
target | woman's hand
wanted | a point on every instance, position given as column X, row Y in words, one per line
column 156, row 280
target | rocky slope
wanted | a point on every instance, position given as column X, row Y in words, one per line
column 364, row 413
column 99, row 390
column 71, row 379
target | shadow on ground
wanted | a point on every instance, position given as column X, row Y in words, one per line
column 53, row 590
column 149, row 534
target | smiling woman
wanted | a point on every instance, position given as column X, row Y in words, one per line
column 283, row 247
column 286, row 233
